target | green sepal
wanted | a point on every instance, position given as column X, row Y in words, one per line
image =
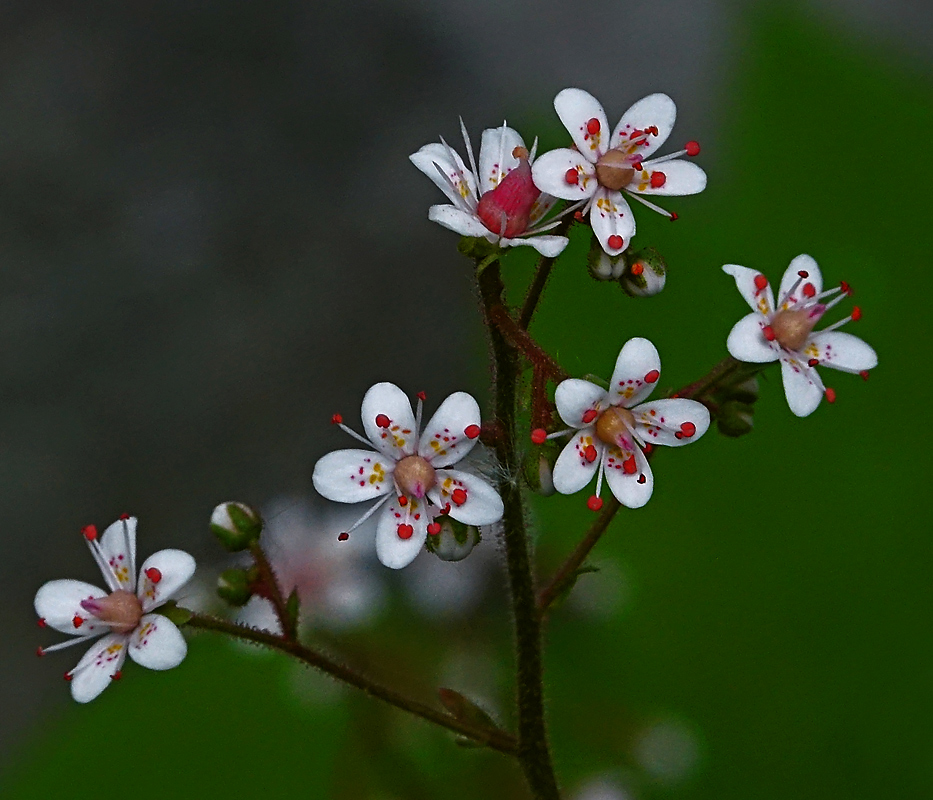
column 568, row 585
column 465, row 710
column 174, row 612
column 292, row 608
column 234, row 586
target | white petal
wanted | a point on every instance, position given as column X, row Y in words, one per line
column 576, row 108
column 761, row 300
column 549, row 174
column 495, row 156
column 656, row 110
column 97, row 668
column 548, row 246
column 575, row 397
column 573, row 470
column 610, row 216
column 680, row 178
column 746, row 341
column 452, row 432
column 481, row 504
column 631, row 489
column 673, row 422
column 59, row 604
column 802, row 263
column 162, row 575
column 802, row 392
column 462, row 222
column 841, row 350
column 461, row 188
column 157, row 643
column 636, row 373
column 397, row 435
column 353, row 476
column 392, row 549
column 118, row 546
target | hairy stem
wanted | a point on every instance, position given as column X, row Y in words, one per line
column 723, row 369
column 491, row 737
column 273, row 591
column 520, row 340
column 533, row 752
column 542, row 273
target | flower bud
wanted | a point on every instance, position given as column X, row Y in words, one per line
column 539, row 467
column 735, row 418
column 234, row 586
column 645, row 275
column 745, row 392
column 236, row 525
column 602, row 266
column 455, row 540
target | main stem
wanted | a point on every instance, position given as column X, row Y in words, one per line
column 533, row 752
column 496, row 739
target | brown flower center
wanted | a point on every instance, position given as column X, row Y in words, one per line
column 614, row 425
column 792, row 328
column 613, row 170
column 414, row 476
column 121, row 610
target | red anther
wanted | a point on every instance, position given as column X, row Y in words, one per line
column 845, row 287
column 446, row 508
column 830, row 395
column 342, row 537
column 572, row 176
column 589, row 415
column 155, row 575
column 77, row 621
column 337, row 419
column 458, row 496
column 678, row 435
column 692, row 148
column 629, row 466
column 383, row 421
column 90, row 532
column 761, row 282
column 434, row 528
column 803, row 274
column 641, row 478
column 402, row 501
column 768, row 331
column 41, row 622
column 578, row 216
column 590, row 453
column 124, row 516
column 116, row 675
column 421, row 396
column 688, row 429
column 864, row 374
column 652, row 129
column 648, row 448
column 636, row 165
column 594, row 503
column 813, row 362
column 405, row 531
column 615, row 241
column 68, row 676
column 592, row 127
column 40, row 652
column 652, row 376
column 637, row 269
column 809, row 290
column 856, row 314
column 471, row 431
column 674, row 217
column 539, row 436
column 658, row 179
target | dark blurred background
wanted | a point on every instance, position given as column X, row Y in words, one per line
column 211, row 239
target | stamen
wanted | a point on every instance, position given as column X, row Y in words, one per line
column 539, row 436
column 629, row 467
column 790, row 291
column 458, row 496
column 637, row 269
column 434, row 528
column 572, row 176
column 41, row 651
column 590, row 453
column 402, row 501
column 405, row 531
column 658, row 179
column 557, row 434
column 354, row 434
column 592, row 126
column 769, row 333
column 154, row 574
column 375, row 507
column 453, row 160
column 813, row 362
column 669, row 214
column 383, row 421
column 855, row 316
column 652, row 376
column 761, row 283
column 336, row 419
column 469, row 148
column 342, row 537
column 472, row 431
column 864, row 374
column 90, row 532
column 594, row 503
column 421, row 398
column 41, row 622
column 692, row 148
column 460, row 202
column 98, row 555
column 830, row 395
column 615, row 242
column 589, row 415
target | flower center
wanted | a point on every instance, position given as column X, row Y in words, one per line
column 792, row 328
column 613, row 170
column 414, row 476
column 506, row 209
column 615, row 425
column 121, row 610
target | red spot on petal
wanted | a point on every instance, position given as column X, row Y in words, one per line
column 629, row 465
column 692, row 148
column 590, row 453
column 336, row 419
column 471, row 431
column 342, row 537
column 589, row 415
column 539, row 436
column 383, row 421
column 594, row 503
column 637, row 269
column 90, row 532
column 768, row 331
column 155, row 575
column 572, row 177
column 652, row 376
column 658, row 179
column 77, row 621
column 615, row 242
column 830, row 395
column 688, row 429
column 809, row 290
column 856, row 314
column 458, row 496
column 592, row 126
column 405, row 531
column 864, row 374
column 434, row 528
column 760, row 282
column 421, row 396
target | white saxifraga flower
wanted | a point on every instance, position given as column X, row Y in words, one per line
column 409, row 471
column 785, row 331
column 497, row 201
column 121, row 614
column 601, row 166
column 613, row 430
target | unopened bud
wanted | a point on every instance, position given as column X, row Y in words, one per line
column 735, row 418
column 236, row 525
column 233, row 586
column 602, row 266
column 645, row 275
column 455, row 540
column 539, row 467
column 746, row 391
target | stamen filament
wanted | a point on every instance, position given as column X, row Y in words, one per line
column 469, row 149
column 101, row 560
column 354, row 434
column 662, row 159
column 70, row 642
column 649, row 204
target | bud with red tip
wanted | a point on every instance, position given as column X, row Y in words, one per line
column 455, row 540
column 645, row 274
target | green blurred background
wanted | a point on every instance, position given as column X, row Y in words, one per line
column 759, row 630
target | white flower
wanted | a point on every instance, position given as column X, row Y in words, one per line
column 786, row 332
column 601, row 166
column 505, row 206
column 121, row 615
column 409, row 471
column 612, row 434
